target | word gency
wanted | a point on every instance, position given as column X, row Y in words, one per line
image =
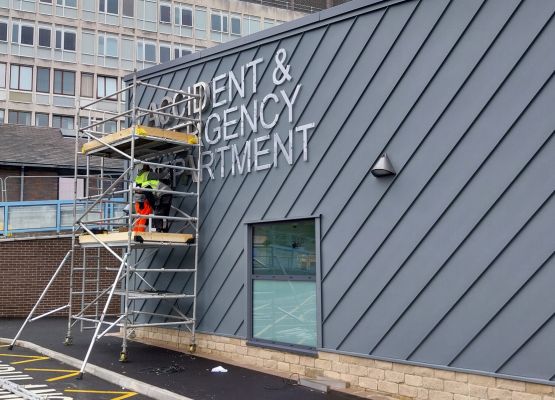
column 224, row 126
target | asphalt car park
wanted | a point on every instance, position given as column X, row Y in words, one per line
column 45, row 376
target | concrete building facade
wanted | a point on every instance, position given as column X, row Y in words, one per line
column 56, row 55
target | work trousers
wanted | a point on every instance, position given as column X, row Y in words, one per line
column 162, row 207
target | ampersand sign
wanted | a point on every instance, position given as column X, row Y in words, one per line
column 281, row 68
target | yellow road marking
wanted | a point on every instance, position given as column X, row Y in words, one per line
column 4, row 345
column 71, row 373
column 125, row 395
column 30, row 358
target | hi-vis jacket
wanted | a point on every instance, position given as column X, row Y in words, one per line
column 147, row 180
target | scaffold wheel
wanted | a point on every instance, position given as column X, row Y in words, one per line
column 68, row 341
column 123, row 357
column 192, row 347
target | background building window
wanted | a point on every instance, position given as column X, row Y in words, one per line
column 128, row 8
column 250, row 24
column 64, row 82
column 181, row 51
column 45, row 37
column 165, row 52
column 41, row 119
column 2, row 75
column 235, row 25
column 3, row 31
column 62, row 121
column 283, row 279
column 19, row 117
column 200, row 23
column 108, row 6
column 218, row 22
column 184, row 16
column 86, row 121
column 146, row 51
column 1, row 117
column 21, row 77
column 87, row 84
column 109, row 126
column 43, row 80
column 23, row 34
column 67, row 3
column 165, row 13
column 107, row 45
column 65, row 40
column 106, row 86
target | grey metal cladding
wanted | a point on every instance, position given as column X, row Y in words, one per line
column 450, row 262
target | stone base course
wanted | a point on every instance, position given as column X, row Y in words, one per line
column 366, row 377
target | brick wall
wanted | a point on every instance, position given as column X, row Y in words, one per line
column 26, row 266
column 366, row 377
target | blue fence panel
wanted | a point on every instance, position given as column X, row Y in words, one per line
column 50, row 215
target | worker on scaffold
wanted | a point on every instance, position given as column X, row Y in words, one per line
column 161, row 202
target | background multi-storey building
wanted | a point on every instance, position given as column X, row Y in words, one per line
column 58, row 54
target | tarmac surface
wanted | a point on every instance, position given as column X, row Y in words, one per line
column 185, row 374
column 46, row 376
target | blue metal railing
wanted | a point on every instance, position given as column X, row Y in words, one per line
column 50, row 215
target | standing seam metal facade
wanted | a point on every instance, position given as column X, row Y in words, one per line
column 447, row 264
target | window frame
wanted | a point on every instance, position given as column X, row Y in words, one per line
column 47, row 119
column 178, row 48
column 104, row 4
column 64, row 4
column 224, row 21
column 143, row 44
column 20, row 25
column 91, row 75
column 105, row 37
column 63, row 31
column 19, row 66
column 169, row 7
column 62, row 117
column 19, row 112
column 3, row 75
column 178, row 12
column 44, row 28
column 5, row 22
column 124, row 8
column 164, row 46
column 237, row 18
column 251, row 340
column 38, row 80
column 246, row 27
column 103, row 78
column 63, row 71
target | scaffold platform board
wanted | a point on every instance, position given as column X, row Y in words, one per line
column 120, row 239
column 148, row 140
column 143, row 295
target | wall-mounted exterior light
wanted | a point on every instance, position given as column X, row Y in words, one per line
column 382, row 167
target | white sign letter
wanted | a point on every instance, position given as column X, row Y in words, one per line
column 258, row 153
column 304, row 129
column 217, row 90
column 216, row 129
column 262, row 105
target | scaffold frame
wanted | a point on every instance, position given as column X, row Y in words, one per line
column 90, row 297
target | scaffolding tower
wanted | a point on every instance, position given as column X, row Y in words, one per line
column 94, row 287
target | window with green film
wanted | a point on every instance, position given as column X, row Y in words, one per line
column 284, row 248
column 283, row 282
